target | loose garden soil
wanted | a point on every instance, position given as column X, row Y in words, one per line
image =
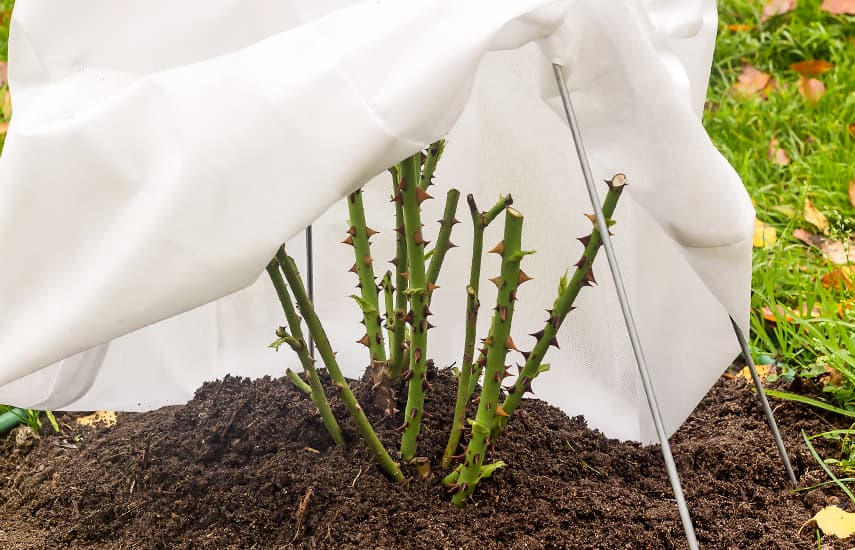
column 248, row 465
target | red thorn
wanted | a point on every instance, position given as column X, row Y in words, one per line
column 498, row 249
column 422, row 195
column 584, row 240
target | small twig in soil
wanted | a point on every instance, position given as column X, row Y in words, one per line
column 300, row 514
column 353, row 483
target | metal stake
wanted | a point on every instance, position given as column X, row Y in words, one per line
column 673, row 475
column 310, row 282
column 761, row 394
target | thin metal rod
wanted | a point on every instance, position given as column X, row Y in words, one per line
column 761, row 394
column 310, row 280
column 602, row 226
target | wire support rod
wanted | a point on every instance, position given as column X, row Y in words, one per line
column 670, row 466
column 310, row 280
column 761, row 395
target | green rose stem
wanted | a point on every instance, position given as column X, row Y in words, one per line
column 358, row 235
column 298, row 344
column 397, row 343
column 410, row 195
column 583, row 276
column 295, row 378
column 389, row 297
column 443, row 239
column 289, row 268
column 498, row 343
column 480, row 221
column 487, row 217
column 434, row 153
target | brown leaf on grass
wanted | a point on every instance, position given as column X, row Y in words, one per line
column 839, row 279
column 740, row 28
column 852, row 129
column 839, row 7
column 783, row 313
column 811, row 89
column 815, row 217
column 777, row 7
column 4, row 127
column 836, row 252
column 765, row 236
column 852, row 192
column 776, row 154
column 812, row 67
column 752, row 81
column 3, row 73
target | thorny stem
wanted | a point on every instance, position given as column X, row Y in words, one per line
column 480, row 220
column 498, row 344
column 411, row 196
column 486, row 218
column 399, row 328
column 298, row 344
column 389, row 297
column 443, row 239
column 289, row 268
column 583, row 276
column 358, row 235
column 434, row 153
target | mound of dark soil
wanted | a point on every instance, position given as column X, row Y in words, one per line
column 248, row 465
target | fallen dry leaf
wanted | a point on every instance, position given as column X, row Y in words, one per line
column 852, row 129
column 839, row 279
column 740, row 28
column 762, row 371
column 783, row 313
column 839, row 7
column 107, row 418
column 751, row 81
column 837, row 252
column 832, row 377
column 811, row 89
column 765, row 236
column 815, row 217
column 777, row 154
column 833, row 520
column 852, row 192
column 812, row 67
column 777, row 7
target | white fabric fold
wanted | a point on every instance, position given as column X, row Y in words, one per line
column 143, row 189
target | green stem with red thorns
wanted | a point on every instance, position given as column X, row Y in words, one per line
column 411, row 196
column 358, row 235
column 289, row 268
column 478, row 244
column 443, row 239
column 397, row 344
column 567, row 293
column 298, row 344
column 434, row 153
column 499, row 342
column 480, row 221
column 389, row 303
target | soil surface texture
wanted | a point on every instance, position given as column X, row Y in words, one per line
column 249, row 465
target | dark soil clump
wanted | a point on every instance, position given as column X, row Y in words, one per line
column 249, row 465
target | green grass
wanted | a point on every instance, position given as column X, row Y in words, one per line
column 822, row 150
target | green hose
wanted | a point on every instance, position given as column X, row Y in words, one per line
column 10, row 419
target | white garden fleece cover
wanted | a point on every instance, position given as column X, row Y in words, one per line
column 160, row 151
